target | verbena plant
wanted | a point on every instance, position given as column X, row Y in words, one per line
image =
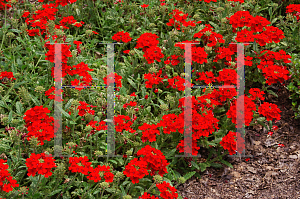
column 149, row 89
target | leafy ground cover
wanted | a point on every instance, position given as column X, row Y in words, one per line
column 150, row 63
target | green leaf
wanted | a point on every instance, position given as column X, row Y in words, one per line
column 10, row 116
column 272, row 92
column 19, row 108
column 189, row 175
column 54, row 192
column 226, row 163
column 216, row 165
column 132, row 83
column 170, row 153
column 203, row 166
column 35, row 100
column 195, row 165
column 68, row 105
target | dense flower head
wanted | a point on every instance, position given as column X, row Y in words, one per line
column 39, row 124
column 80, row 165
column 153, row 53
column 153, row 78
column 230, row 141
column 156, row 160
column 295, row 9
column 167, row 191
column 147, row 196
column 249, row 107
column 270, row 111
column 8, row 75
column 147, row 40
column 41, row 164
column 136, row 170
column 84, row 109
column 123, row 122
column 96, row 174
column 5, row 175
column 122, row 36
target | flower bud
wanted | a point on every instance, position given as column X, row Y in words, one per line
column 158, row 179
column 104, row 185
column 127, row 197
column 119, row 175
column 207, row 33
column 153, row 70
column 129, row 152
column 164, row 107
column 175, row 74
column 88, row 32
column 220, row 9
column 39, row 89
column 10, row 34
column 34, row 141
column 98, row 153
column 136, row 144
column 181, row 180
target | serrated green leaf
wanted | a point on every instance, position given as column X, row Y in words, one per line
column 132, row 83
column 19, row 108
column 189, row 175
column 68, row 105
column 203, row 166
column 195, row 165
column 10, row 116
column 35, row 100
column 226, row 163
column 272, row 92
column 216, row 165
column 54, row 192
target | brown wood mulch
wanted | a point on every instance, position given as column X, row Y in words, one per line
column 273, row 172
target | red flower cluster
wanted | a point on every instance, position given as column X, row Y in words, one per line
column 136, row 170
column 121, row 36
column 270, row 111
column 256, row 93
column 121, row 123
column 8, row 75
column 40, row 163
column 65, row 52
column 80, row 165
column 207, row 77
column 83, row 109
column 153, row 79
column 167, row 191
column 148, row 42
column 173, row 59
column 256, row 24
column 156, row 160
column 117, row 80
column 3, row 5
column 102, row 125
column 39, row 124
column 149, row 132
column 295, row 9
column 230, row 141
column 181, row 18
column 131, row 103
column 50, row 96
column 96, row 174
column 179, row 84
column 249, row 107
column 210, row 39
column 5, row 175
column 147, row 196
